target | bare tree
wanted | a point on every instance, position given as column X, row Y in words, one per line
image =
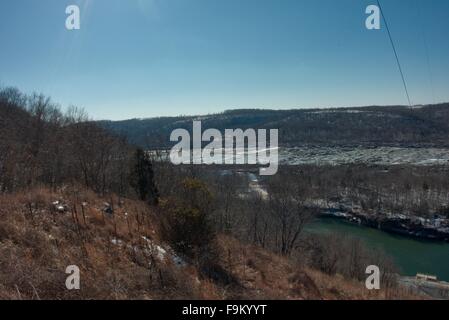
column 286, row 203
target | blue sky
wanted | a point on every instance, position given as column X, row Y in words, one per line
column 144, row 58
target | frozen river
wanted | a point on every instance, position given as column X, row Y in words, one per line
column 360, row 155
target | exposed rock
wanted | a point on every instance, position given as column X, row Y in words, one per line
column 108, row 208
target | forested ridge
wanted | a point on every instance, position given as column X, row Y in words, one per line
column 374, row 125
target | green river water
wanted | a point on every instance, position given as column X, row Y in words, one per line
column 411, row 256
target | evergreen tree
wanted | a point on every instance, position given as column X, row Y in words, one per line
column 142, row 178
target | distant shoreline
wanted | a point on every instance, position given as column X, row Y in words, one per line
column 413, row 227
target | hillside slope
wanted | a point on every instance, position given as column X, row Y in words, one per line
column 121, row 256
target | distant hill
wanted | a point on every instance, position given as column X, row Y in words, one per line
column 374, row 125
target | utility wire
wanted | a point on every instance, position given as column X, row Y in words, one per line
column 395, row 53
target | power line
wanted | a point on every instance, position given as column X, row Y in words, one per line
column 395, row 53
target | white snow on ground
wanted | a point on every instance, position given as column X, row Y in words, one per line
column 258, row 189
column 160, row 252
column 116, row 242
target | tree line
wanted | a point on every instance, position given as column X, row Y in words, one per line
column 379, row 126
column 42, row 145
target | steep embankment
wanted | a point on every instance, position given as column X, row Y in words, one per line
column 121, row 256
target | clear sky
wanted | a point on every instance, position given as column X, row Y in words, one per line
column 144, row 58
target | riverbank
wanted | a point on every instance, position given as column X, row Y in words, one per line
column 435, row 229
column 412, row 256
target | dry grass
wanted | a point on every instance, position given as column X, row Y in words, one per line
column 37, row 243
column 120, row 257
column 264, row 275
